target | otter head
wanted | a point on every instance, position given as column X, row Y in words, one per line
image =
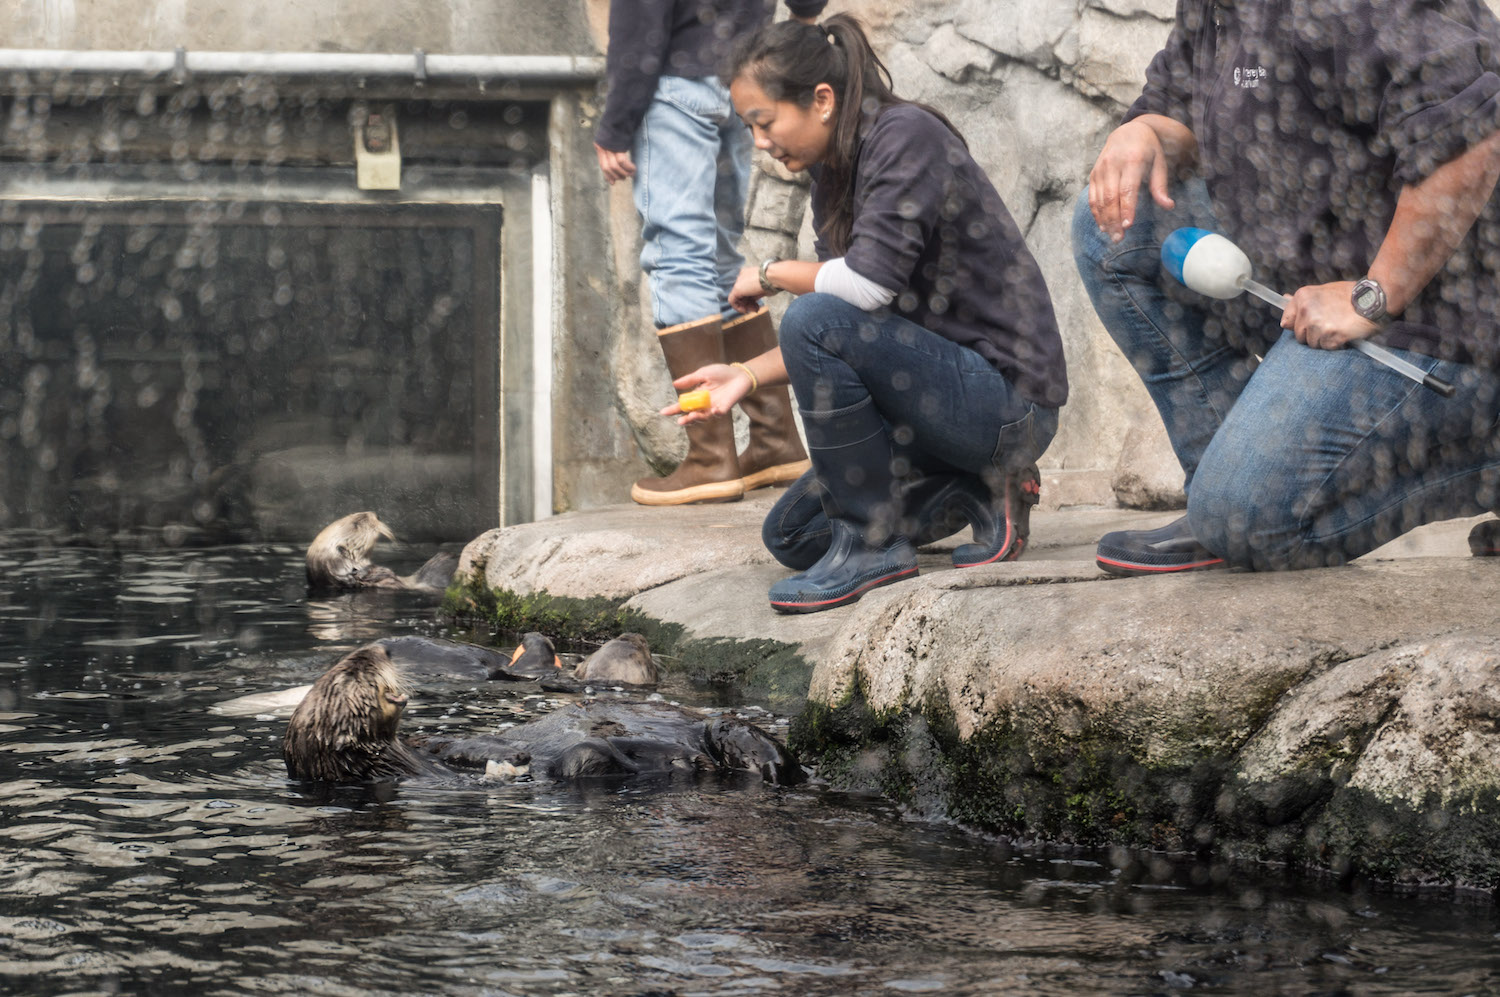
column 626, row 659
column 344, row 730
column 338, row 557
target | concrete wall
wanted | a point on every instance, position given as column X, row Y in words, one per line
column 461, row 27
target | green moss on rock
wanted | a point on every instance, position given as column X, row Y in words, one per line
column 1090, row 788
column 756, row 670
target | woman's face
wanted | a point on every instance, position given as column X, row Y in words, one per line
column 796, row 136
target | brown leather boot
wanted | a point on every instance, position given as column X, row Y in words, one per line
column 774, row 455
column 709, row 472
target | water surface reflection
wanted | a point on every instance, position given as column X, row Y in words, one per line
column 152, row 845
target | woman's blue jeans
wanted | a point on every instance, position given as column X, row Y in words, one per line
column 692, row 170
column 946, row 408
column 1300, row 458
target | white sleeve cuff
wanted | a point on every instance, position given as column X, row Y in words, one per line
column 835, row 278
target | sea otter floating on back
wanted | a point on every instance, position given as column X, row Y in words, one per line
column 338, row 559
column 345, row 731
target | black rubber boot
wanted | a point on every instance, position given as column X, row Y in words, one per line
column 852, row 454
column 1001, row 517
column 1155, row 552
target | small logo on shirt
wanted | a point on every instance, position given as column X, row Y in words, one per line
column 1249, row 76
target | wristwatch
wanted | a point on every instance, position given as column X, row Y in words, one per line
column 1369, row 300
column 765, row 281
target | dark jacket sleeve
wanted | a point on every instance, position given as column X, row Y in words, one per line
column 1169, row 78
column 906, row 170
column 1423, row 75
column 639, row 34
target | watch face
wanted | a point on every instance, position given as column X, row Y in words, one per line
column 1369, row 300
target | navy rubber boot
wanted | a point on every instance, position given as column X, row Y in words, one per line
column 1155, row 552
column 851, row 568
column 936, row 505
column 1001, row 518
column 851, row 452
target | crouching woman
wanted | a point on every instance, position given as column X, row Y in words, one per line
column 922, row 348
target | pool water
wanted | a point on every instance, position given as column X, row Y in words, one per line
column 151, row 844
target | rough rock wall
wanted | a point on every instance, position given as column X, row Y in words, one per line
column 1035, row 86
column 1352, row 733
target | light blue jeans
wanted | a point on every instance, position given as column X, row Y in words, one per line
column 947, row 409
column 1302, row 458
column 692, row 162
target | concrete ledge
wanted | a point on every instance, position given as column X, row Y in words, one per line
column 1345, row 720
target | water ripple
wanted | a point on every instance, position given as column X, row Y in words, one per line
column 153, row 844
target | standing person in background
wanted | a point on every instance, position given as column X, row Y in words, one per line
column 668, row 126
column 922, row 347
column 1351, row 148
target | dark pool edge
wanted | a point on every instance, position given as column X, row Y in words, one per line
column 1091, row 792
column 1035, row 786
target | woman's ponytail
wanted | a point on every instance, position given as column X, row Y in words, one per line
column 788, row 60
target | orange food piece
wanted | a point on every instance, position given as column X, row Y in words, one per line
column 693, row 401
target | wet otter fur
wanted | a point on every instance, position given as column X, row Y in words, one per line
column 338, row 559
column 626, row 660
column 535, row 657
column 422, row 659
column 344, row 730
column 624, row 739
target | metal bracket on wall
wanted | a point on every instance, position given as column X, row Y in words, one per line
column 377, row 149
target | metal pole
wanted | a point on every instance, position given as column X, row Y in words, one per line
column 416, row 65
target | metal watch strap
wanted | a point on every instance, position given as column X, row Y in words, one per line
column 1369, row 289
column 765, row 280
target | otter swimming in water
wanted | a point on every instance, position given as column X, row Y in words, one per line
column 338, row 559
column 621, row 738
column 345, row 731
column 422, row 658
column 626, row 660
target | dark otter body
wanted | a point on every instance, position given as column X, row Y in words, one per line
column 338, row 559
column 345, row 731
column 535, row 657
column 428, row 658
column 616, row 739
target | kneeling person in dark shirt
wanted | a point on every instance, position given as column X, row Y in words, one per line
column 922, row 348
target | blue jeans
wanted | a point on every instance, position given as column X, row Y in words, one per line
column 692, row 169
column 1294, row 457
column 946, row 408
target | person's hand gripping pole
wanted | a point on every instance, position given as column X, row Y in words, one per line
column 1210, row 264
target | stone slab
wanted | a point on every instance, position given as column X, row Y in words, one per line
column 1297, row 716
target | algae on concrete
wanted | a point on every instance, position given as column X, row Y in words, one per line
column 1093, row 792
